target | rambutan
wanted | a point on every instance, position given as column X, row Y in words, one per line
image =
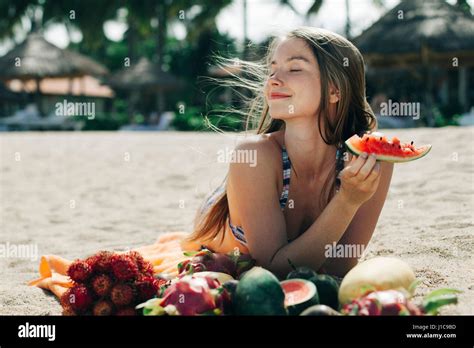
column 79, row 298
column 79, row 271
column 68, row 311
column 64, row 299
column 144, row 267
column 103, row 308
column 124, row 267
column 147, row 287
column 101, row 284
column 100, row 262
column 122, row 294
column 129, row 311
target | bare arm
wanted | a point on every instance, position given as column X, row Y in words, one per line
column 363, row 224
column 353, row 211
column 253, row 201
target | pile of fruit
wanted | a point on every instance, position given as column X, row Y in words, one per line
column 220, row 284
column 214, row 284
column 109, row 284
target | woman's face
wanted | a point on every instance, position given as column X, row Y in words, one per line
column 293, row 88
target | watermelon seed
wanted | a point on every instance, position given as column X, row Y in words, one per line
column 367, row 139
column 380, row 138
column 412, row 142
column 399, row 147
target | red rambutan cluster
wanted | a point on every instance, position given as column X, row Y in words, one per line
column 109, row 284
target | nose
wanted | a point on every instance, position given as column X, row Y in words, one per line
column 274, row 80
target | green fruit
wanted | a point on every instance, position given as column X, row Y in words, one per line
column 327, row 286
column 328, row 290
column 259, row 293
column 302, row 273
column 299, row 295
column 320, row 310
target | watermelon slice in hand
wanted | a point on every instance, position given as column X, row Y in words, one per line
column 388, row 151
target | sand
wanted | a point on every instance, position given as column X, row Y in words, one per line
column 75, row 193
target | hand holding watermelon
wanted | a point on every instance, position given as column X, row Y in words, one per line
column 360, row 179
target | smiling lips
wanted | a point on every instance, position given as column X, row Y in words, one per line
column 276, row 95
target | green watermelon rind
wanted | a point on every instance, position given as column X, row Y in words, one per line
column 259, row 293
column 390, row 158
column 298, row 308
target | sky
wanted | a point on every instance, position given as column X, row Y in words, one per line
column 265, row 17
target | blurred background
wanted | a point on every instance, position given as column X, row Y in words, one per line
column 83, row 82
column 139, row 65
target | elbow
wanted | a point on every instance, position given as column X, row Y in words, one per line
column 275, row 265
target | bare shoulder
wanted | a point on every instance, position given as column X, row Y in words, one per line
column 256, row 161
column 264, row 146
column 252, row 188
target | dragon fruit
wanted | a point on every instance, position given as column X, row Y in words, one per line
column 388, row 302
column 190, row 296
column 395, row 302
column 206, row 260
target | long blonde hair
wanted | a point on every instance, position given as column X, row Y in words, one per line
column 341, row 65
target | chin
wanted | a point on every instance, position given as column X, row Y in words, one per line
column 281, row 114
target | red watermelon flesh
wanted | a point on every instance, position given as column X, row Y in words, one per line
column 386, row 150
column 299, row 295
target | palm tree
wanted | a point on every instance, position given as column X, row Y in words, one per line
column 316, row 6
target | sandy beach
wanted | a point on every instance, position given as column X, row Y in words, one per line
column 73, row 194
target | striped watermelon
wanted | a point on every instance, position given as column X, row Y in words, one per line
column 388, row 151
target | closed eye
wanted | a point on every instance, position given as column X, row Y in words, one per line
column 295, row 70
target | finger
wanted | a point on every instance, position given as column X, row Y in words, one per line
column 375, row 173
column 357, row 164
column 365, row 170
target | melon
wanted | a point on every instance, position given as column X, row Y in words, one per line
column 386, row 150
column 299, row 295
column 327, row 286
column 320, row 311
column 376, row 274
column 259, row 293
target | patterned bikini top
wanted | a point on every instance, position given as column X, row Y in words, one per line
column 237, row 231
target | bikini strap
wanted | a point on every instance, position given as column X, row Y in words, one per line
column 286, row 177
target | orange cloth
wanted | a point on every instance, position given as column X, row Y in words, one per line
column 164, row 255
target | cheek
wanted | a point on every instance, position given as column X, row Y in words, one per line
column 309, row 94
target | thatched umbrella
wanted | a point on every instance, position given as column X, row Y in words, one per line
column 421, row 33
column 35, row 58
column 145, row 77
column 416, row 25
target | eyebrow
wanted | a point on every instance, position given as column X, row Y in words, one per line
column 293, row 58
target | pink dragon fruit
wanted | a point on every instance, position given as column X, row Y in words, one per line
column 206, row 260
column 387, row 302
column 195, row 296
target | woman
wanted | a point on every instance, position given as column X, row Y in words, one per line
column 302, row 195
column 313, row 100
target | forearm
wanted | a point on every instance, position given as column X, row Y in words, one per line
column 309, row 248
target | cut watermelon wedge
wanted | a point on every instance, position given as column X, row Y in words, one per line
column 299, row 295
column 388, row 151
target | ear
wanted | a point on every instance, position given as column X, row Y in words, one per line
column 334, row 95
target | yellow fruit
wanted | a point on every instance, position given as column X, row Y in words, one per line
column 379, row 273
